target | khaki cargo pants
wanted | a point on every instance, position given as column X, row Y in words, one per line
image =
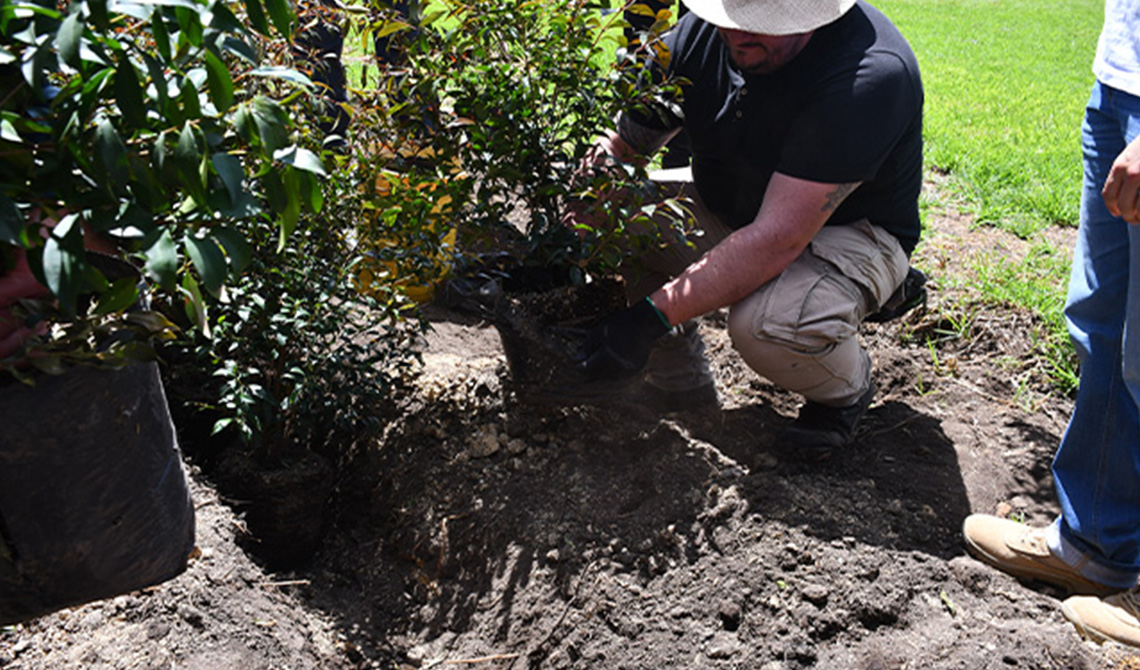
column 800, row 329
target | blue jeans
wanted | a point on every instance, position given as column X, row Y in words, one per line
column 1097, row 467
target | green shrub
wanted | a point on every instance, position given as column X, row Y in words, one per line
column 300, row 358
column 162, row 127
column 487, row 122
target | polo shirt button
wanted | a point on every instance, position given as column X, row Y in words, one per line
column 743, row 92
column 739, row 114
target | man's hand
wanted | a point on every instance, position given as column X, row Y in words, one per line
column 619, row 345
column 15, row 284
column 1122, row 188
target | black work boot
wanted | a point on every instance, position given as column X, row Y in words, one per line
column 819, row 429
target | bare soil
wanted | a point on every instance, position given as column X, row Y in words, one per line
column 487, row 532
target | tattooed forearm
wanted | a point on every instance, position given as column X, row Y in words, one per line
column 836, row 196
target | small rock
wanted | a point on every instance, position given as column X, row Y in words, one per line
column 191, row 616
column 157, row 630
column 515, row 446
column 723, row 645
column 94, row 620
column 730, row 614
column 486, row 443
column 816, row 594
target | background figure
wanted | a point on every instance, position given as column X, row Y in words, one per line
column 388, row 50
column 677, row 153
column 1093, row 547
column 320, row 43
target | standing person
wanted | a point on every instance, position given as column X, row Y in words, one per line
column 805, row 123
column 319, row 44
column 1093, row 547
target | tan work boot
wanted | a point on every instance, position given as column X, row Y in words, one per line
column 1021, row 551
column 1116, row 617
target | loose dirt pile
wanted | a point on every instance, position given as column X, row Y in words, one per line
column 486, row 532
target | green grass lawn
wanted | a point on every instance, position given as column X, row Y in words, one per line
column 1006, row 83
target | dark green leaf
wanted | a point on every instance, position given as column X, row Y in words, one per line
column 128, row 93
column 245, row 206
column 68, row 39
column 284, row 73
column 63, row 262
column 245, row 123
column 190, row 25
column 256, row 16
column 135, row 220
column 223, row 19
column 112, row 154
column 291, row 213
column 188, row 162
column 99, row 15
column 240, row 48
column 311, row 191
column 302, row 159
column 122, row 294
column 162, row 261
column 39, row 61
column 272, row 124
column 208, row 259
column 161, row 35
column 155, row 70
column 219, row 81
column 229, row 169
column 282, row 16
column 274, row 190
column 195, row 306
column 236, row 247
column 191, row 106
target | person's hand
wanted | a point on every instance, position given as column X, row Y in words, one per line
column 16, row 284
column 1122, row 188
column 618, row 346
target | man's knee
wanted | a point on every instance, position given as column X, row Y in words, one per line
column 828, row 371
column 808, row 307
column 799, row 331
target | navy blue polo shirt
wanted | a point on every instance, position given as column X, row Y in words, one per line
column 847, row 108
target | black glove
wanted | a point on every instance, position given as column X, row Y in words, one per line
column 618, row 346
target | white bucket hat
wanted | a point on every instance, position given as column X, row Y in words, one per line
column 770, row 17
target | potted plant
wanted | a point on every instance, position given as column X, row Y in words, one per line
column 510, row 97
column 144, row 144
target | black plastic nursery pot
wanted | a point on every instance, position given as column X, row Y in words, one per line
column 285, row 504
column 542, row 324
column 94, row 500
